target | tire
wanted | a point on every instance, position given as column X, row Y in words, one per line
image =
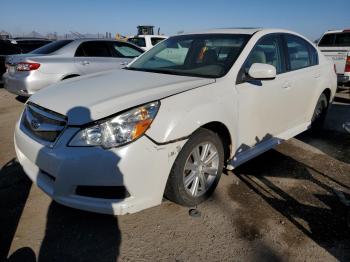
column 319, row 115
column 190, row 166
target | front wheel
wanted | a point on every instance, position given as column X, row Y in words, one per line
column 196, row 170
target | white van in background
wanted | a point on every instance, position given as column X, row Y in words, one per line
column 335, row 45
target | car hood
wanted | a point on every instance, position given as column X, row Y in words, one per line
column 92, row 97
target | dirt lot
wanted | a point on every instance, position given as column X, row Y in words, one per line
column 289, row 204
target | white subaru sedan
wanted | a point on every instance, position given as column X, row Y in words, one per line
column 167, row 125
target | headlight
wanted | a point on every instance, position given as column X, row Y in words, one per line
column 118, row 130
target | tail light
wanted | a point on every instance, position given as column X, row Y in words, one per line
column 27, row 66
column 347, row 64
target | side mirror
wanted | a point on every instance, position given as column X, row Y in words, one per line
column 260, row 71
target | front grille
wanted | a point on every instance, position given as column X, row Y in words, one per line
column 106, row 192
column 43, row 123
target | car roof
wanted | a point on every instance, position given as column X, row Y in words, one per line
column 337, row 31
column 71, row 47
column 160, row 36
column 80, row 40
column 242, row 30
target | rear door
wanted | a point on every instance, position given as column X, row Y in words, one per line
column 336, row 47
column 94, row 56
column 303, row 75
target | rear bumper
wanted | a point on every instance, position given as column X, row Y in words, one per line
column 27, row 83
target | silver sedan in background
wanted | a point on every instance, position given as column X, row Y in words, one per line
column 63, row 59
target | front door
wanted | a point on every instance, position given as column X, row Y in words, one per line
column 262, row 105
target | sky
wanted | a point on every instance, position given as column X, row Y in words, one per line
column 308, row 17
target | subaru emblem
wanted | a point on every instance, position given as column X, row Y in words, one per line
column 35, row 124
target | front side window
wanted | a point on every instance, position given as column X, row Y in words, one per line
column 125, row 50
column 298, row 52
column 210, row 55
column 139, row 41
column 93, row 49
column 266, row 51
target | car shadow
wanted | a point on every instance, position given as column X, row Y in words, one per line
column 22, row 99
column 72, row 234
column 14, row 191
column 333, row 139
column 313, row 205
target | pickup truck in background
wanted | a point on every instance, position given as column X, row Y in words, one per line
column 335, row 45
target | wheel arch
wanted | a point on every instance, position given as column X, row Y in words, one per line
column 69, row 76
column 328, row 94
column 224, row 134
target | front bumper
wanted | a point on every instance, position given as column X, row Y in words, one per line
column 141, row 167
column 27, row 83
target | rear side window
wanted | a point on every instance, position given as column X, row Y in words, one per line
column 139, row 41
column 125, row 50
column 93, row 49
column 156, row 40
column 51, row 47
column 300, row 53
column 335, row 39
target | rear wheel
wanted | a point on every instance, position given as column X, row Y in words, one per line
column 197, row 169
column 320, row 113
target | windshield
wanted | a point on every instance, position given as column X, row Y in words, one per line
column 337, row 39
column 52, row 47
column 210, row 55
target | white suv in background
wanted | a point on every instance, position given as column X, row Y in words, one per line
column 146, row 42
column 335, row 45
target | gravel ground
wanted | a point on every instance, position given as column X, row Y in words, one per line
column 289, row 204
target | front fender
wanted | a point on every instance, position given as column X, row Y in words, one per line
column 182, row 114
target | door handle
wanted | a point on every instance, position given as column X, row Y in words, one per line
column 286, row 85
column 85, row 62
column 317, row 75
